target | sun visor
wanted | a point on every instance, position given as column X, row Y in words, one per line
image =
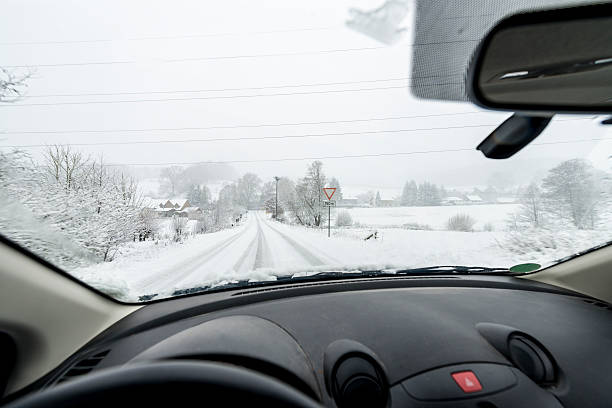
column 446, row 35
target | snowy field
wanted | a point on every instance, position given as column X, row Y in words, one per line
column 435, row 217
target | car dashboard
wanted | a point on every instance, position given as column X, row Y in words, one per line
column 461, row 341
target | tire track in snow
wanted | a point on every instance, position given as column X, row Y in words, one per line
column 305, row 253
column 193, row 263
column 263, row 257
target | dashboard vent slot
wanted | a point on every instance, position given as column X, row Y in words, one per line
column 83, row 367
column 598, row 303
column 335, row 282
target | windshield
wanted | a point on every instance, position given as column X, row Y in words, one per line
column 152, row 149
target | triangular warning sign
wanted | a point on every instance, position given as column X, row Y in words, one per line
column 329, row 192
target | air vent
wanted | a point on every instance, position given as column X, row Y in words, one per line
column 83, row 367
column 335, row 282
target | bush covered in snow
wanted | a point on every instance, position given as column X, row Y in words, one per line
column 344, row 219
column 70, row 210
column 460, row 222
column 488, row 227
column 179, row 225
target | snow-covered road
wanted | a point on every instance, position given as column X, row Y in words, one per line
column 258, row 249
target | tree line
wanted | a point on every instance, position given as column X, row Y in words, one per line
column 424, row 194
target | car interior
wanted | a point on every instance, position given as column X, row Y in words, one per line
column 451, row 338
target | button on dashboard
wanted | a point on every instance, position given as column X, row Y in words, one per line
column 467, row 381
column 460, row 381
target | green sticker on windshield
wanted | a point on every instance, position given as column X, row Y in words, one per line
column 526, row 267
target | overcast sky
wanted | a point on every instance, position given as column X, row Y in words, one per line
column 161, row 46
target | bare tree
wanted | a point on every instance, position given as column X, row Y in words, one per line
column 12, row 85
column 248, row 188
column 172, row 176
column 310, row 193
column 531, row 211
column 178, row 227
column 63, row 164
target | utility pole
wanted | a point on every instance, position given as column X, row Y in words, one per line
column 276, row 201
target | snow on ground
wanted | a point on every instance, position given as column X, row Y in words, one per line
column 165, row 231
column 263, row 249
column 435, row 217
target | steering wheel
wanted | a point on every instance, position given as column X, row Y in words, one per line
column 169, row 384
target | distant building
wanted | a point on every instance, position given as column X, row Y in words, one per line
column 452, row 201
column 192, row 213
column 386, row 203
column 474, row 199
column 165, row 212
column 168, row 208
column 167, row 204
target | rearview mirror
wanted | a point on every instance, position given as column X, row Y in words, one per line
column 552, row 61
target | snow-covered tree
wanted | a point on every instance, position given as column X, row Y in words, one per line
column 199, row 196
column 310, row 194
column 178, row 225
column 409, row 194
column 571, row 193
column 428, row 194
column 12, row 84
column 268, row 192
column 248, row 189
column 334, row 183
column 69, row 203
column 290, row 207
column 377, row 199
column 531, row 211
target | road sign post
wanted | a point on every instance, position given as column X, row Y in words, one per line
column 329, row 193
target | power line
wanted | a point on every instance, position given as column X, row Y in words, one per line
column 210, row 58
column 352, row 156
column 280, row 137
column 181, row 129
column 167, row 37
column 330, row 91
column 224, row 139
column 233, row 57
column 223, row 89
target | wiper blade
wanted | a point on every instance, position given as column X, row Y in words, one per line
column 456, row 270
column 429, row 270
column 336, row 275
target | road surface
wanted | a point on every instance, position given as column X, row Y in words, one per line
column 258, row 244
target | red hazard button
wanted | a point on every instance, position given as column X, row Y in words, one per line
column 467, row 381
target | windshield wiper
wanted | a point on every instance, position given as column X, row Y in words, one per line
column 336, row 275
column 429, row 270
column 456, row 270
